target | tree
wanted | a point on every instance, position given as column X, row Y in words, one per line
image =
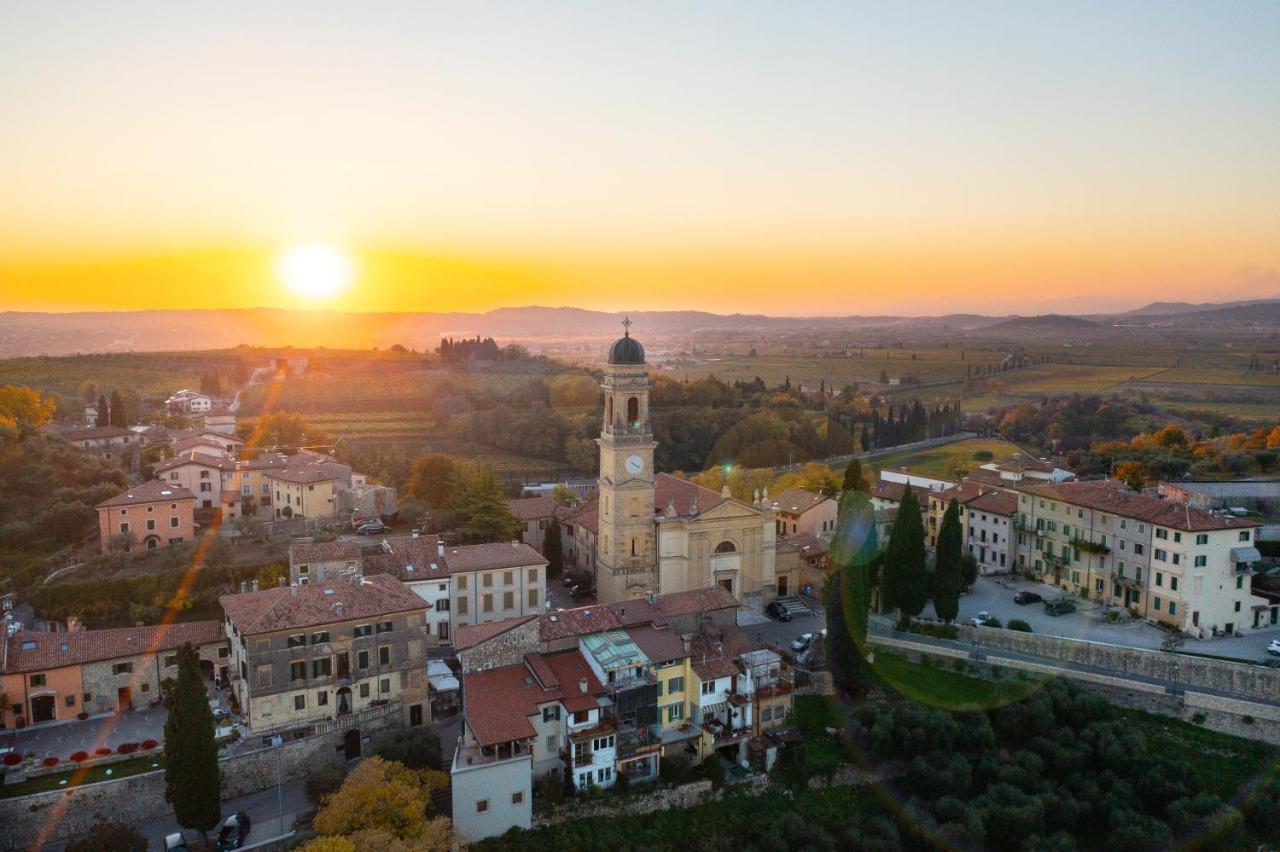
column 23, row 409
column 117, row 411
column 110, row 837
column 416, row 748
column 384, row 796
column 553, row 549
column 432, row 478
column 905, row 581
column 946, row 566
column 848, row 592
column 483, row 513
column 968, row 570
column 1131, row 474
column 104, row 412
column 191, row 775
column 854, row 480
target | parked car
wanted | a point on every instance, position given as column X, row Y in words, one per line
column 1060, row 607
column 1025, row 597
column 980, row 619
column 778, row 611
column 234, row 831
column 372, row 528
column 1273, row 647
column 582, row 590
column 802, row 642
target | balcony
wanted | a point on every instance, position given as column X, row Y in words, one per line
column 604, row 726
column 472, row 754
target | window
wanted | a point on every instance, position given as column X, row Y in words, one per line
column 1173, row 608
column 517, row 797
column 1162, row 533
column 71, row 701
column 264, row 675
column 1240, row 582
column 1173, row 583
column 553, row 743
column 605, row 774
column 298, row 640
column 320, row 638
column 384, row 655
column 1201, row 561
column 122, row 668
column 1138, row 549
column 675, row 711
column 1159, row 579
column 1244, row 535
column 508, row 600
column 151, row 523
column 726, row 547
column 299, row 702
column 384, row 685
column 124, row 527
column 1160, row 555
column 170, row 660
column 1177, row 537
column 486, row 603
column 385, row 626
column 442, row 605
column 552, row 712
column 38, row 680
column 462, row 606
column 363, row 630
column 482, row 806
column 508, row 577
column 1237, row 606
column 708, row 687
column 322, row 699
column 1177, row 558
column 1202, row 538
column 173, row 522
column 298, row 670
column 487, row 581
column 1156, row 604
column 462, row 582
column 533, row 575
column 322, row 667
column 533, row 597
column 364, row 690
column 362, row 660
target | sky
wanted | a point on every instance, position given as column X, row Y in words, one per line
column 792, row 159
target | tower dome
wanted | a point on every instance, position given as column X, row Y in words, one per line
column 626, row 349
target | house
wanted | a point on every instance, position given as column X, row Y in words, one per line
column 197, row 472
column 594, row 693
column 1165, row 562
column 462, row 584
column 219, row 418
column 801, row 565
column 534, row 514
column 187, row 401
column 151, row 515
column 1023, row 467
column 905, row 477
column 797, row 510
column 53, row 677
column 303, row 654
column 887, row 494
column 110, row 442
column 205, row 440
column 989, row 524
column 962, row 492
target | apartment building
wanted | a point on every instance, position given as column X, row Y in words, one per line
column 198, row 472
column 989, row 521
column 797, row 510
column 962, row 492
column 54, row 677
column 1166, row 562
column 148, row 516
column 464, row 584
column 648, row 677
column 303, row 654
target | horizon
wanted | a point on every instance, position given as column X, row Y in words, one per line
column 907, row 161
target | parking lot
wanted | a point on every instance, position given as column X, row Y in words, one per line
column 995, row 595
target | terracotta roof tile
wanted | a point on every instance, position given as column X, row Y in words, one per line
column 486, row 557
column 1118, row 499
column 660, row 644
column 271, row 610
column 96, row 433
column 997, row 501
column 194, row 457
column 498, row 702
column 31, row 651
column 470, row 635
column 696, row 601
column 533, row 508
column 797, row 500
column 151, row 491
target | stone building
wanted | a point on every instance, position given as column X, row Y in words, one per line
column 148, row 516
column 309, row 653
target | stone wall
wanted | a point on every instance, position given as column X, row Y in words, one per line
column 505, row 649
column 1240, row 679
column 73, row 812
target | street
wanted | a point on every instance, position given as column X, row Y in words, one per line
column 782, row 633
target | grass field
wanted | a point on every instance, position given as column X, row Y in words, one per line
column 53, row 781
column 948, row 690
column 154, row 374
column 1216, row 376
column 944, row 461
column 930, row 365
column 813, row 714
column 333, row 394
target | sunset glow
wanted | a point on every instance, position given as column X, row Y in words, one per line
column 315, row 271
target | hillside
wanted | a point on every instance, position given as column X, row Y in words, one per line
column 1045, row 323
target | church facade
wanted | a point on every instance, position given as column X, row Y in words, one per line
column 657, row 533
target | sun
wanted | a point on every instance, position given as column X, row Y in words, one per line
column 315, row 271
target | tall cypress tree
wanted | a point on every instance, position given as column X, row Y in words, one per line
column 117, row 411
column 848, row 592
column 104, row 413
column 552, row 549
column 192, row 779
column 906, row 581
column 853, row 478
column 946, row 568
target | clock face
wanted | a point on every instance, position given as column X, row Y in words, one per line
column 635, row 464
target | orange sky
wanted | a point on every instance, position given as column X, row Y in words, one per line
column 738, row 157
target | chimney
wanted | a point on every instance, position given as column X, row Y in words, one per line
column 255, row 584
column 687, row 641
column 282, row 582
column 440, row 547
column 244, row 586
column 73, row 624
column 515, row 543
column 582, row 684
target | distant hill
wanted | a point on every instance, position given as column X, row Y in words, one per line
column 1044, row 323
column 1169, row 309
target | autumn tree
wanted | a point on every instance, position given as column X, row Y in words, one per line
column 22, row 409
column 432, row 479
column 1131, row 473
column 388, row 798
column 104, row 412
column 946, row 567
column 191, row 775
column 905, row 583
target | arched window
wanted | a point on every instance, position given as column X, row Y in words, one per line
column 633, row 411
column 726, row 547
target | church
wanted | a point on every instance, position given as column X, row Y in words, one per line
column 657, row 533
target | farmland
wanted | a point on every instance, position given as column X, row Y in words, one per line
column 150, row 374
column 944, row 461
column 838, row 370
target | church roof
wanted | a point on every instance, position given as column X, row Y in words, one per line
column 626, row 350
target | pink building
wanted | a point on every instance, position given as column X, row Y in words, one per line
column 151, row 515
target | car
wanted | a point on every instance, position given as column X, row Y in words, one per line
column 1273, row 647
column 778, row 611
column 803, row 641
column 1059, row 607
column 1025, row 597
column 980, row 619
column 581, row 590
column 372, row 528
column 234, row 831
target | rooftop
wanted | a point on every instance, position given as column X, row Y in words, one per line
column 500, row 701
column 292, row 607
column 533, row 508
column 797, row 500
column 152, row 491
column 90, row 433
column 31, row 651
column 1112, row 496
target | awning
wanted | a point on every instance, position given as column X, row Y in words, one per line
column 440, row 676
column 1245, row 554
column 712, row 709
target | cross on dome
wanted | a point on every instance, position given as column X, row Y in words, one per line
column 626, row 326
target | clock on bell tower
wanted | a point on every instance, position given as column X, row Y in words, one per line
column 626, row 553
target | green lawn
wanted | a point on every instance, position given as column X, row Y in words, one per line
column 75, row 776
column 813, row 714
column 946, row 689
column 945, row 461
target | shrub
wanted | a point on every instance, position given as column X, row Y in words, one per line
column 147, row 745
column 127, row 748
column 983, row 455
column 714, row 769
column 416, row 748
column 550, row 789
column 102, row 751
column 12, row 759
column 938, row 631
column 49, row 761
column 1199, row 718
column 1248, row 720
column 79, row 756
column 321, row 783
column 1019, row 625
column 992, row 622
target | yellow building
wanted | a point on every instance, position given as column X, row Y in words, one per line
column 302, row 492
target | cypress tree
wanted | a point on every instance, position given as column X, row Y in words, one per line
column 946, row 569
column 117, row 410
column 552, row 549
column 905, row 583
column 853, row 478
column 192, row 779
column 104, row 413
column 848, row 592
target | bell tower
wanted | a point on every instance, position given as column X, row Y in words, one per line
column 626, row 547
